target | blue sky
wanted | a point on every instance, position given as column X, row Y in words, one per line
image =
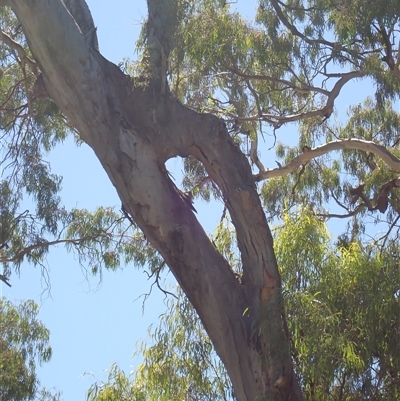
column 93, row 323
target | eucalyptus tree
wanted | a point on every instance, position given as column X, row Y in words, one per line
column 207, row 87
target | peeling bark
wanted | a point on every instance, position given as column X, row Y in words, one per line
column 133, row 131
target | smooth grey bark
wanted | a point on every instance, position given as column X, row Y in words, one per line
column 133, row 131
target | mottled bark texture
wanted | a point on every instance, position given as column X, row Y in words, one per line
column 133, row 131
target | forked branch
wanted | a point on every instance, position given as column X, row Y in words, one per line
column 325, row 111
column 24, row 59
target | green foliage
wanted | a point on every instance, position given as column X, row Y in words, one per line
column 118, row 387
column 29, row 131
column 24, row 342
column 342, row 307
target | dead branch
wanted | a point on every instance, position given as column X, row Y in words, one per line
column 383, row 201
column 4, row 279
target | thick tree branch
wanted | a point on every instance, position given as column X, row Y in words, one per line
column 160, row 39
column 83, row 17
column 392, row 161
column 123, row 124
column 346, row 77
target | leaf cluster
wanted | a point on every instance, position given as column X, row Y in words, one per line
column 24, row 342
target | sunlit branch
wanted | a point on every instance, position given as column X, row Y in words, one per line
column 367, row 146
column 334, row 93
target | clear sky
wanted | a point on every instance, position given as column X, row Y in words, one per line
column 94, row 324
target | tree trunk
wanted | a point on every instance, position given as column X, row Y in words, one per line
column 133, row 131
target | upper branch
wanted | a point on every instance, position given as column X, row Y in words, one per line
column 160, row 37
column 388, row 58
column 259, row 77
column 325, row 111
column 297, row 33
